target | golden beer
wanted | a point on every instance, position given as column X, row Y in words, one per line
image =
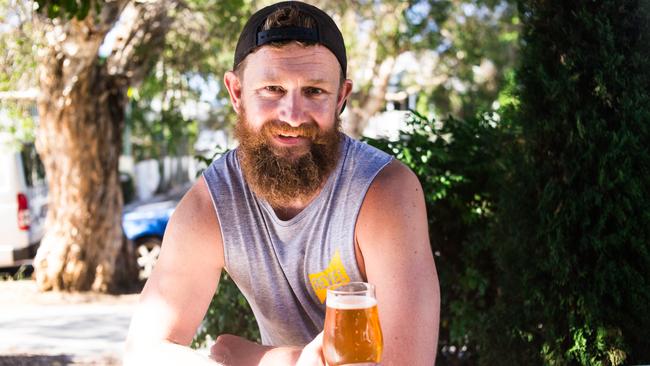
column 352, row 333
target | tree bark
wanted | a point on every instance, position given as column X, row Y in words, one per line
column 80, row 143
column 81, row 118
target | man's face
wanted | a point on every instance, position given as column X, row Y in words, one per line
column 288, row 100
column 294, row 84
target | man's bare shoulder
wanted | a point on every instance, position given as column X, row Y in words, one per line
column 198, row 199
column 395, row 184
column 394, row 202
column 195, row 221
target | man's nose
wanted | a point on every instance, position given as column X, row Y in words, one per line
column 292, row 109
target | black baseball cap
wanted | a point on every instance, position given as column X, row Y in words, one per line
column 325, row 33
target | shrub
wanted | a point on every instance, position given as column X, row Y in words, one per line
column 228, row 312
column 572, row 226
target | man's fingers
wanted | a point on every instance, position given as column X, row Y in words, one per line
column 223, row 347
column 219, row 353
column 312, row 354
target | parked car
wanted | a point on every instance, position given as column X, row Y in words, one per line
column 23, row 208
column 145, row 225
column 23, row 203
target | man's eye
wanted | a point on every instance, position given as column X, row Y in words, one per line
column 273, row 89
column 314, row 91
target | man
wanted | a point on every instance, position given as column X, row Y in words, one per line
column 298, row 206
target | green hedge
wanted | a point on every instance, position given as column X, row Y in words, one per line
column 229, row 313
column 573, row 236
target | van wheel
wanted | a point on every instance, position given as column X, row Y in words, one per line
column 147, row 251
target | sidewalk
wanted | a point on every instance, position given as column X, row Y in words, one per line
column 68, row 329
column 56, row 329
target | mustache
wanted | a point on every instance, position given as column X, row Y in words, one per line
column 309, row 130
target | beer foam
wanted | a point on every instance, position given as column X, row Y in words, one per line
column 351, row 302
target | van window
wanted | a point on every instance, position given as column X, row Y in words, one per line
column 6, row 165
column 32, row 165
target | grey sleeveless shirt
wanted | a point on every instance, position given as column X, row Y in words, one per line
column 284, row 267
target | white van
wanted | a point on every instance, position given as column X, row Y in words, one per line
column 23, row 203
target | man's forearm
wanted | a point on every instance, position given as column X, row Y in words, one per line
column 166, row 353
column 280, row 356
column 232, row 350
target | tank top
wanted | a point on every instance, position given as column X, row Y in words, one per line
column 283, row 267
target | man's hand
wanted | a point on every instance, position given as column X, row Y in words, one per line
column 233, row 350
column 312, row 354
column 237, row 351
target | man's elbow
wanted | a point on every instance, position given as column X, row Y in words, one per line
column 140, row 347
column 135, row 350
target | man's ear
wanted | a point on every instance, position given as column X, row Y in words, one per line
column 344, row 94
column 233, row 85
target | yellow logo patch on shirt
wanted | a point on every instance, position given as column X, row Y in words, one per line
column 333, row 276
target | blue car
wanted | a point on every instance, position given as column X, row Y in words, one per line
column 145, row 226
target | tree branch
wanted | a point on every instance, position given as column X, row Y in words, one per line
column 140, row 37
column 69, row 52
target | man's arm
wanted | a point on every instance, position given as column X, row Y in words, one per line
column 392, row 235
column 178, row 293
column 176, row 296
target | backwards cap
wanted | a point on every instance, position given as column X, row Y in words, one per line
column 325, row 33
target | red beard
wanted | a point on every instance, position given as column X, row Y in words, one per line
column 283, row 174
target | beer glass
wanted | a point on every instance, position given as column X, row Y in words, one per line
column 352, row 334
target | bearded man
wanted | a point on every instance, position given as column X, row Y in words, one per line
column 297, row 207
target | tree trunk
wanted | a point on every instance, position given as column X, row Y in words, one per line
column 79, row 138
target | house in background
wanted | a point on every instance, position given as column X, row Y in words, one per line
column 388, row 123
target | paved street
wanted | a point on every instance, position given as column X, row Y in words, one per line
column 67, row 329
column 73, row 329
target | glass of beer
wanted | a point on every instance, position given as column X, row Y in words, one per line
column 352, row 334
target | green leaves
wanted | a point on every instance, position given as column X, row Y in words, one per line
column 67, row 9
column 228, row 312
column 574, row 243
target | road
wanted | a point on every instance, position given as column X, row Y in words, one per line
column 66, row 329
column 79, row 329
